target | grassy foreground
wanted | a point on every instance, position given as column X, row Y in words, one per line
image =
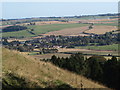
column 24, row 71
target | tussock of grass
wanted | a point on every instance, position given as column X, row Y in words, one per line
column 11, row 80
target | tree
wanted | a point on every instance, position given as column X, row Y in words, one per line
column 91, row 26
column 54, row 59
column 5, row 41
column 32, row 29
column 112, row 73
column 95, row 71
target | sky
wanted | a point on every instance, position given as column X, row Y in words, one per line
column 59, row 0
column 12, row 10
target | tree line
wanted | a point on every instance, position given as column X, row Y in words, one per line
column 98, row 40
column 13, row 28
column 95, row 67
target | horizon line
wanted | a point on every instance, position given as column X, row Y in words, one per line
column 60, row 16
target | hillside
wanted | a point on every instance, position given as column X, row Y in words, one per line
column 13, row 28
column 21, row 70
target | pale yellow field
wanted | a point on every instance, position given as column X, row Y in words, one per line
column 101, row 29
column 74, row 49
column 54, row 22
column 48, row 56
column 70, row 50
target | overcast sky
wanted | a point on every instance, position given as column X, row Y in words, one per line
column 39, row 9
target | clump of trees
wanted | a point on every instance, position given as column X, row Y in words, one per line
column 49, row 50
column 32, row 23
column 16, row 45
column 96, row 68
column 13, row 28
column 105, row 39
column 91, row 26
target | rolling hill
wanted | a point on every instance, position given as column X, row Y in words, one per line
column 21, row 70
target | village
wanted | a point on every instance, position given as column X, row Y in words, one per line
column 51, row 44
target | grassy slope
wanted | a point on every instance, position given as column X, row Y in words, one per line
column 40, row 29
column 113, row 47
column 41, row 73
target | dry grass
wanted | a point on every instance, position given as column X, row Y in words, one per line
column 99, row 21
column 101, row 29
column 53, row 22
column 80, row 50
column 38, row 71
column 48, row 56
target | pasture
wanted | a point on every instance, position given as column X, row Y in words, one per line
column 69, row 31
column 113, row 47
column 41, row 29
column 88, row 51
column 101, row 29
column 72, row 28
column 65, row 52
column 22, row 33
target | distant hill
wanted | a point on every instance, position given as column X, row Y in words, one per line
column 13, row 28
column 21, row 70
column 79, row 16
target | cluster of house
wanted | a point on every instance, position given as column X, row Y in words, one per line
column 28, row 46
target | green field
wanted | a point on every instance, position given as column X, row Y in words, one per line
column 109, row 24
column 113, row 47
column 115, row 21
column 41, row 29
column 17, row 34
column 52, row 27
